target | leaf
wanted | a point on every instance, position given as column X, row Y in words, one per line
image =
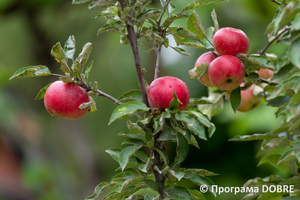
column 215, row 20
column 253, row 137
column 278, row 101
column 200, row 172
column 199, row 3
column 182, row 148
column 135, row 128
column 169, row 20
column 57, row 52
column 235, row 99
column 181, row 51
column 204, row 121
column 148, row 14
column 198, row 101
column 259, row 61
column 198, row 70
column 294, row 53
column 69, row 47
column 194, row 43
column 163, row 155
column 213, row 109
column 42, row 92
column 197, row 194
column 101, row 188
column 132, row 95
column 114, row 152
column 180, row 193
column 194, row 25
column 186, row 34
column 151, row 184
column 80, row 61
column 31, row 71
column 80, row 1
column 200, row 180
column 277, row 143
column 127, row 109
column 125, row 154
column 132, row 135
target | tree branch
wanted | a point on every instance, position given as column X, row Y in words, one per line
column 275, row 2
column 158, row 54
column 134, row 47
column 281, row 32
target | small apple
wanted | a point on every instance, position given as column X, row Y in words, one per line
column 226, row 72
column 250, row 98
column 63, row 100
column 207, row 57
column 230, row 41
column 265, row 73
column 161, row 90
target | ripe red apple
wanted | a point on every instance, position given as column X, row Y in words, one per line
column 207, row 57
column 230, row 41
column 63, row 100
column 226, row 72
column 265, row 73
column 161, row 90
column 250, row 98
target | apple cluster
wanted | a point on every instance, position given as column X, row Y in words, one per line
column 226, row 71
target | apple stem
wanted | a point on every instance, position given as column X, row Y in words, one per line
column 280, row 32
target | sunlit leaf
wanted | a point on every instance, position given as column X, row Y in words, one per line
column 131, row 95
column 125, row 154
column 69, row 47
column 101, row 188
column 199, row 3
column 31, row 71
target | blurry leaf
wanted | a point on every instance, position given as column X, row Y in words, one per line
column 98, row 3
column 131, row 95
column 121, row 177
column 31, row 71
column 114, row 152
column 194, row 25
column 151, row 184
column 215, row 20
column 42, row 92
column 213, row 109
column 168, row 135
column 192, row 124
column 163, row 155
column 69, row 47
column 253, row 137
column 111, row 28
column 194, row 43
column 110, row 11
column 81, row 59
column 294, row 53
column 198, row 101
column 101, row 188
column 180, row 193
column 177, row 174
column 169, row 20
column 277, row 143
column 287, row 156
column 235, row 99
column 132, row 135
column 200, row 180
column 259, row 61
column 145, row 167
column 198, row 70
column 170, row 7
column 204, row 121
column 135, row 128
column 127, row 109
column 186, row 34
column 80, row 1
column 125, row 154
column 131, row 182
column 131, row 141
column 296, row 23
column 148, row 14
column 85, row 105
column 200, row 172
column 278, row 101
column 174, row 103
column 181, row 51
column 197, row 194
column 199, row 3
column 88, row 70
column 182, row 148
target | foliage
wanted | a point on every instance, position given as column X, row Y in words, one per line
column 144, row 163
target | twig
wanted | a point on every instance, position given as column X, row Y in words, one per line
column 281, row 32
column 158, row 54
column 132, row 37
column 268, row 82
column 275, row 2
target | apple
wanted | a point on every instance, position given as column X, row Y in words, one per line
column 63, row 100
column 207, row 57
column 250, row 98
column 161, row 90
column 226, row 72
column 265, row 73
column 230, row 41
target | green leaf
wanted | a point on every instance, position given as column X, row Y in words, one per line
column 101, row 188
column 278, row 101
column 199, row 3
column 294, row 56
column 99, row 3
column 194, row 25
column 198, row 101
column 235, row 99
column 194, row 43
column 132, row 135
column 80, row 61
column 277, row 143
column 198, row 70
column 127, row 109
column 80, row 1
column 178, row 174
column 174, row 103
column 31, row 71
column 135, row 128
column 42, row 92
column 186, row 34
column 169, row 20
column 125, row 154
column 213, row 109
column 114, row 152
column 182, row 148
column 192, row 124
column 181, row 51
column 132, row 95
column 69, row 47
column 123, row 176
column 200, row 180
column 204, row 121
column 197, row 194
column 259, row 61
column 163, row 155
column 253, row 137
column 88, row 70
column 200, row 172
column 57, row 52
column 151, row 184
column 148, row 14
column 180, row 193
column 215, row 20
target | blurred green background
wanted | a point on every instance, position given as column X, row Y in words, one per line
column 44, row 157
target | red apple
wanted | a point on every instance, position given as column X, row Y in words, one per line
column 207, row 57
column 230, row 41
column 63, row 100
column 161, row 90
column 226, row 72
column 250, row 98
column 265, row 73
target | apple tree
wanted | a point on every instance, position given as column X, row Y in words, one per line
column 163, row 112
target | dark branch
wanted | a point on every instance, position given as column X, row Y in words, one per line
column 275, row 2
column 268, row 82
column 281, row 32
